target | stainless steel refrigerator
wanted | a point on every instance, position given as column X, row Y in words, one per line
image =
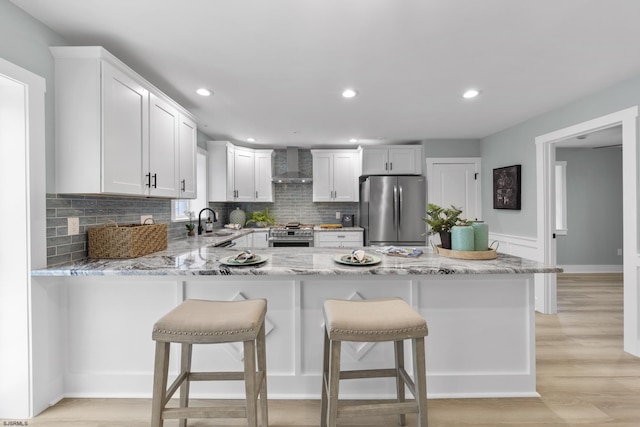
column 392, row 208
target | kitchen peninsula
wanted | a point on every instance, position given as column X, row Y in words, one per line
column 96, row 330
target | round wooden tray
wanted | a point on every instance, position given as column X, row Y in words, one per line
column 488, row 254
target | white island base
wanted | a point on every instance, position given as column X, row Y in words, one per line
column 92, row 334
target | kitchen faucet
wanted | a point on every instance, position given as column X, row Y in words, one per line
column 215, row 218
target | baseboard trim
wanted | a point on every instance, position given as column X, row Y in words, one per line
column 614, row 268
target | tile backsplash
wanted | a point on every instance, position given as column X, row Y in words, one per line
column 292, row 203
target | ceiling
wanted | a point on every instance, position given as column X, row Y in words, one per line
column 277, row 67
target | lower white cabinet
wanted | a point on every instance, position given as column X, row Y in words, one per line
column 260, row 239
column 244, row 241
column 338, row 239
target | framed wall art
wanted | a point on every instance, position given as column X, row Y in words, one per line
column 507, row 187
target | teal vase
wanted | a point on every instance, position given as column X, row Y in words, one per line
column 480, row 236
column 462, row 238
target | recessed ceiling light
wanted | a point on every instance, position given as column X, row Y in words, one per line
column 353, row 140
column 349, row 93
column 471, row 93
column 203, row 92
column 251, row 140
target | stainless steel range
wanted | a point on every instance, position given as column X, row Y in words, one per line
column 292, row 234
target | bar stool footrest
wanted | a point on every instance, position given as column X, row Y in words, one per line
column 200, row 412
column 376, row 409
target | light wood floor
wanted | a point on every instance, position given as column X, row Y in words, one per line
column 584, row 378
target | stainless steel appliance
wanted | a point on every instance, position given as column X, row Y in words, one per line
column 292, row 234
column 391, row 210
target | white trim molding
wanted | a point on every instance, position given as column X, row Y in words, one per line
column 545, row 181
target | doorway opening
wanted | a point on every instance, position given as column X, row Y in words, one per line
column 546, row 225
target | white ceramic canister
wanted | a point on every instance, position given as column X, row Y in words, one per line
column 462, row 238
column 480, row 235
column 237, row 216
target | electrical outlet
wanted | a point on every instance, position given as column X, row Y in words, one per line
column 73, row 226
column 619, row 251
column 143, row 218
column 337, row 215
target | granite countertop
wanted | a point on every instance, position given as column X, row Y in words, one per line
column 196, row 256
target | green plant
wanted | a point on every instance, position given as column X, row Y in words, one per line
column 443, row 219
column 262, row 217
column 190, row 225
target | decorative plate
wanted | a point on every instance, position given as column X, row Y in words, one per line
column 230, row 260
column 346, row 259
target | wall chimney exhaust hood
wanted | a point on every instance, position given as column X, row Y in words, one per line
column 293, row 174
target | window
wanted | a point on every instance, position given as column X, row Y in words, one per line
column 180, row 206
column 561, row 198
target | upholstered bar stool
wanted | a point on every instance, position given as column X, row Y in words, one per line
column 211, row 322
column 375, row 320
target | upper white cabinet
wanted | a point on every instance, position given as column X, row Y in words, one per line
column 188, row 149
column 115, row 132
column 162, row 178
column 239, row 174
column 335, row 175
column 392, row 160
column 263, row 173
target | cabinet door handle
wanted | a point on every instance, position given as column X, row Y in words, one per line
column 256, row 194
column 341, row 236
column 391, row 166
column 148, row 176
column 155, row 180
column 386, row 166
column 184, row 185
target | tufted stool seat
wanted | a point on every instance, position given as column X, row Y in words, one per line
column 211, row 322
column 388, row 319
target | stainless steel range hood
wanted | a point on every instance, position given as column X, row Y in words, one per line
column 292, row 174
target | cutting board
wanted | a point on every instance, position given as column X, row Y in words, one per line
column 331, row 226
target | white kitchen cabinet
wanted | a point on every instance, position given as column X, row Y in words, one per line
column 163, row 176
column 115, row 132
column 392, row 160
column 335, row 175
column 124, row 140
column 263, row 173
column 188, row 147
column 243, row 241
column 239, row 174
column 244, row 175
column 260, row 239
column 338, row 239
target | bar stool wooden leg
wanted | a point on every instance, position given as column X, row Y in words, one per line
column 325, row 380
column 399, row 355
column 334, row 381
column 161, row 369
column 420, row 380
column 185, row 366
column 250, row 382
column 262, row 368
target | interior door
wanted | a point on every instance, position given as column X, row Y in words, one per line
column 455, row 181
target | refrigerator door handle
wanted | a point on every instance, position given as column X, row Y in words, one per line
column 400, row 202
column 395, row 207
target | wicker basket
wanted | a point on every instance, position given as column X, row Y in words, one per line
column 126, row 241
